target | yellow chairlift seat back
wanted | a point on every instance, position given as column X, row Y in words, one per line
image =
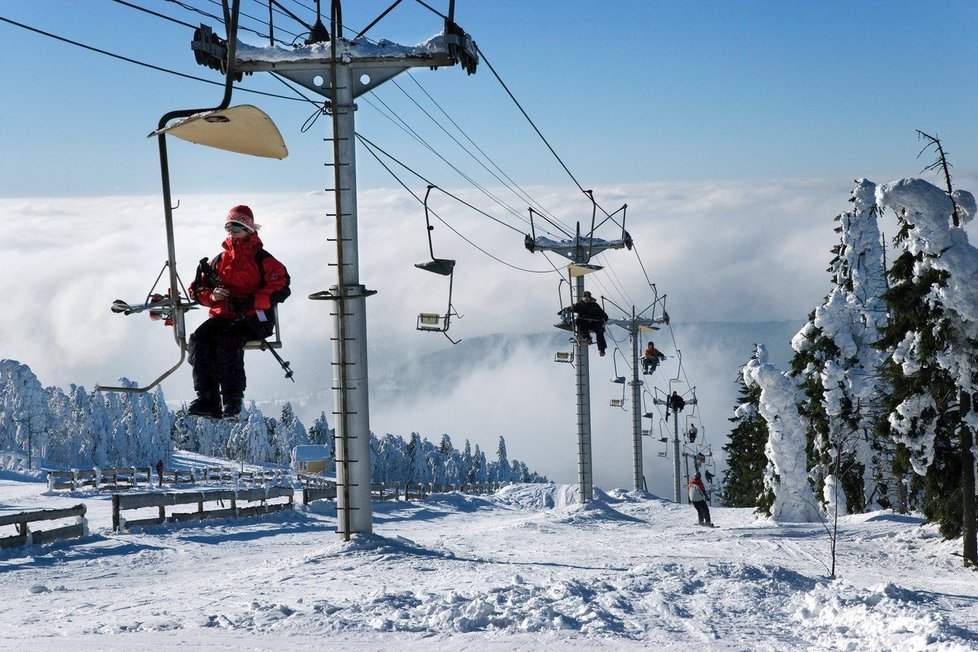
column 244, row 129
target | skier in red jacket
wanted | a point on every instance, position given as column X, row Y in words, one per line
column 240, row 287
column 697, row 496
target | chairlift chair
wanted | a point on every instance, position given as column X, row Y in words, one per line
column 273, row 341
column 565, row 313
column 614, row 359
column 619, row 402
column 244, row 129
column 430, row 321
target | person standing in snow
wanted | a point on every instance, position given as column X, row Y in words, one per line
column 697, row 496
column 240, row 286
column 590, row 318
column 650, row 358
column 159, row 471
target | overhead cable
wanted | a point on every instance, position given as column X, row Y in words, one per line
column 138, row 63
column 370, row 148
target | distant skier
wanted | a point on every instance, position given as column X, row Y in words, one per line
column 697, row 496
column 691, row 433
column 590, row 318
column 159, row 471
column 240, row 286
column 650, row 358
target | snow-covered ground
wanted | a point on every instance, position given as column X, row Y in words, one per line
column 525, row 569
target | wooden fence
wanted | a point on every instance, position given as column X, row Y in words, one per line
column 312, row 490
column 128, row 478
column 122, row 502
column 24, row 535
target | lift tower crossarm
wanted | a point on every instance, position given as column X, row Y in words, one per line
column 579, row 250
column 373, row 64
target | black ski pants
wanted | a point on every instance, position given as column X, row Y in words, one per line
column 217, row 353
column 586, row 326
column 702, row 511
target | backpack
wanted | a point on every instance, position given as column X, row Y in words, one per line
column 278, row 296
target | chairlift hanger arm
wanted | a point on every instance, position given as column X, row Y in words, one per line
column 178, row 307
column 141, row 390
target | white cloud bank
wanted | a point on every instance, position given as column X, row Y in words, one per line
column 720, row 251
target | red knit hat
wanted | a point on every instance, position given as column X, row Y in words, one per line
column 242, row 215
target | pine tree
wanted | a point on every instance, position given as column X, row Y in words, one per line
column 835, row 364
column 743, row 484
column 934, row 345
column 289, row 433
column 502, row 470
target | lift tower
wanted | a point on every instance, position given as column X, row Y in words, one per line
column 580, row 250
column 341, row 70
column 677, row 490
column 635, row 326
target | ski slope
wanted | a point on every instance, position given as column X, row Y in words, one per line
column 525, row 569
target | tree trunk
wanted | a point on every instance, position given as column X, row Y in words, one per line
column 969, row 525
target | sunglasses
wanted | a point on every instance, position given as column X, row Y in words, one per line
column 234, row 228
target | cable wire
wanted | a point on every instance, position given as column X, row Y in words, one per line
column 370, row 148
column 154, row 13
column 135, row 61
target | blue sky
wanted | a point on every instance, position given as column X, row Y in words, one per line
column 626, row 91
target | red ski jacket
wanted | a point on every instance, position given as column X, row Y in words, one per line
column 252, row 275
column 700, row 486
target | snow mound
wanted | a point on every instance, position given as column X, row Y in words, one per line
column 562, row 502
column 885, row 617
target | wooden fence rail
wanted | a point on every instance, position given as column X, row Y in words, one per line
column 260, row 495
column 127, row 478
column 25, row 537
column 122, row 478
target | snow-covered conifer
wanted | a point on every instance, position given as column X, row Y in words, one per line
column 501, row 470
column 836, row 364
column 787, row 473
column 743, row 483
column 289, row 433
column 25, row 418
column 933, row 338
column 250, row 440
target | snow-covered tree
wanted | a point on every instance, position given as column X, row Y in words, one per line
column 787, row 471
column 836, row 364
column 25, row 418
column 419, row 470
column 479, row 471
column 934, row 343
column 743, row 483
column 250, row 440
column 501, row 470
column 392, row 460
column 289, row 433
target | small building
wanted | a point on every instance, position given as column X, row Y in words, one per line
column 311, row 458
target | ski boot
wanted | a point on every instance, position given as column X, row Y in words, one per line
column 232, row 407
column 207, row 404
